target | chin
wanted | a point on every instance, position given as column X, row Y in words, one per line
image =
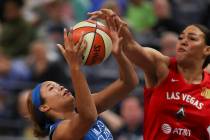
column 181, row 55
column 69, row 103
column 72, row 100
column 183, row 59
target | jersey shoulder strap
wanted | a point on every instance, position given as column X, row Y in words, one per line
column 53, row 127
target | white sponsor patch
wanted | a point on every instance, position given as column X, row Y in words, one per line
column 166, row 128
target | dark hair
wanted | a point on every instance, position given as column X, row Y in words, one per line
column 38, row 129
column 206, row 32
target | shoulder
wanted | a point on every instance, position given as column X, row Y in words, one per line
column 62, row 131
column 72, row 129
column 160, row 70
column 158, row 56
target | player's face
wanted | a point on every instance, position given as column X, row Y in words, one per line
column 191, row 44
column 56, row 96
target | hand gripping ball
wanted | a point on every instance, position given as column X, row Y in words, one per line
column 98, row 39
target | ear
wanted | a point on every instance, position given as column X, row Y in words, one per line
column 44, row 108
column 207, row 50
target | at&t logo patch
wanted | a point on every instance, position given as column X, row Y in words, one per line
column 167, row 129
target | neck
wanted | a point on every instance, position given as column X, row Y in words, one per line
column 62, row 115
column 192, row 72
column 68, row 115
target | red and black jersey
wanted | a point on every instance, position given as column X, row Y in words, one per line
column 176, row 110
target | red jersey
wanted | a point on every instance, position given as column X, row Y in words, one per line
column 176, row 110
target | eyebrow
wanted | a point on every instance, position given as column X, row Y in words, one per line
column 193, row 34
column 52, row 84
column 48, row 84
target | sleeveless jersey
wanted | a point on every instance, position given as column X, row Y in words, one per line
column 176, row 110
column 98, row 131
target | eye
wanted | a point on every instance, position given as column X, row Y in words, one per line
column 50, row 88
column 192, row 38
column 180, row 37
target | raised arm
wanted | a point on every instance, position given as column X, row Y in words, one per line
column 124, row 85
column 80, row 123
column 153, row 63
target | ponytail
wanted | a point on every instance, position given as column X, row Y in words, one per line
column 38, row 130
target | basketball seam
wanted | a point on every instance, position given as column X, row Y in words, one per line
column 83, row 27
column 102, row 40
column 103, row 45
column 92, row 43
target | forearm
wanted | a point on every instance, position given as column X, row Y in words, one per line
column 127, row 71
column 112, row 94
column 151, row 61
column 118, row 90
column 144, row 57
column 84, row 102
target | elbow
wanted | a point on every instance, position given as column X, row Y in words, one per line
column 134, row 79
column 134, row 82
column 130, row 85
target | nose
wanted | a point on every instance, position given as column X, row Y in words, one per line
column 61, row 87
column 184, row 42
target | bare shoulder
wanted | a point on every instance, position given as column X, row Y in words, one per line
column 160, row 61
column 158, row 56
column 63, row 131
column 72, row 129
column 160, row 70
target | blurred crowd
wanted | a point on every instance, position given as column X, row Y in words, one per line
column 30, row 30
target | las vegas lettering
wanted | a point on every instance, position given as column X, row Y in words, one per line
column 184, row 97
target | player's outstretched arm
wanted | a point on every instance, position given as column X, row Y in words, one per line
column 86, row 114
column 125, row 84
column 150, row 60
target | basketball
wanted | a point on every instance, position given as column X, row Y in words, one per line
column 98, row 40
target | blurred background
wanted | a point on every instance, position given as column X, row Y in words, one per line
column 30, row 30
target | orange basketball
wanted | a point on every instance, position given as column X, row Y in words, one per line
column 99, row 42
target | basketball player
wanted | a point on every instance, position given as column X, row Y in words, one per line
column 52, row 107
column 177, row 90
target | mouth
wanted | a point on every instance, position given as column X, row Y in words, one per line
column 181, row 50
column 66, row 93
